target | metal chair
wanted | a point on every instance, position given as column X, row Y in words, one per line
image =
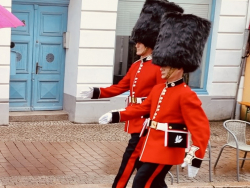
column 209, row 160
column 172, row 177
column 204, row 159
column 236, row 138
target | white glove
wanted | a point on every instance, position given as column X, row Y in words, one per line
column 87, row 93
column 192, row 171
column 188, row 161
column 106, row 118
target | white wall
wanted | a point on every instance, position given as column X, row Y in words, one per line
column 71, row 59
column 97, row 43
column 223, row 75
column 72, row 53
column 95, row 65
column 5, row 34
column 96, row 56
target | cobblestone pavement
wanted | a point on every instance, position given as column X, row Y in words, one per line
column 67, row 155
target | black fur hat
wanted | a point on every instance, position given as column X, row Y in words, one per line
column 147, row 26
column 181, row 41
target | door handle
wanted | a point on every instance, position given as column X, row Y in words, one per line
column 37, row 67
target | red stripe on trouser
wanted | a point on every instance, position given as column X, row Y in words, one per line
column 152, row 177
column 130, row 166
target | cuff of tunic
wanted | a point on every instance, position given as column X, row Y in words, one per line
column 96, row 93
column 115, row 117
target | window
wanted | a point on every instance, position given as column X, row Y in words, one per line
column 128, row 13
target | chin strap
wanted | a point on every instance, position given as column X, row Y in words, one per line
column 170, row 72
column 144, row 50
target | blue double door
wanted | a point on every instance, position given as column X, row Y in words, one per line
column 40, row 58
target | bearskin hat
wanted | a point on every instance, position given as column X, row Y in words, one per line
column 181, row 41
column 147, row 26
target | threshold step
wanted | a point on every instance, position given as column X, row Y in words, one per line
column 32, row 116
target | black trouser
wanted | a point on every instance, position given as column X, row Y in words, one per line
column 151, row 175
column 130, row 161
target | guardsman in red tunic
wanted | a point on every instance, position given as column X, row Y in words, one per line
column 173, row 107
column 139, row 80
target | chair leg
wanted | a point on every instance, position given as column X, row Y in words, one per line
column 237, row 160
column 219, row 155
column 210, row 162
column 177, row 173
column 245, row 155
column 172, row 177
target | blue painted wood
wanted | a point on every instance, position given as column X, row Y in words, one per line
column 50, row 55
column 209, row 41
column 13, row 56
column 20, row 84
column 45, row 86
column 42, row 2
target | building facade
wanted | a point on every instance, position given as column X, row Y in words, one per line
column 69, row 45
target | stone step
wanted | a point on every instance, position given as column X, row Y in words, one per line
column 32, row 116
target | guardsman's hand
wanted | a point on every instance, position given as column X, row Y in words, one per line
column 192, row 162
column 87, row 94
column 106, row 118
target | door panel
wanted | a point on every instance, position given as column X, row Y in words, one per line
column 46, row 72
column 20, row 83
column 48, row 80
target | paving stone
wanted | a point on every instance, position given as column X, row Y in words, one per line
column 61, row 154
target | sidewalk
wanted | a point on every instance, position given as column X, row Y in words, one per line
column 60, row 154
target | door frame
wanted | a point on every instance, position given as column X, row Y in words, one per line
column 43, row 2
column 61, row 3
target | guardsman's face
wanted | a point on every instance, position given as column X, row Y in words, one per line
column 140, row 49
column 171, row 74
column 165, row 71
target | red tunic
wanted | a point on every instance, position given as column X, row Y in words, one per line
column 139, row 80
column 179, row 105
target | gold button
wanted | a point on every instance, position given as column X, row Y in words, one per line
column 184, row 128
column 170, row 127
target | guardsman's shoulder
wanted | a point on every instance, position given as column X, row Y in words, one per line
column 185, row 88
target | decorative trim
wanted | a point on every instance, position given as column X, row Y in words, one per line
column 42, row 2
column 4, row 101
column 208, row 55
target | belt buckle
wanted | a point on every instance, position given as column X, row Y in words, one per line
column 133, row 100
column 153, row 124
